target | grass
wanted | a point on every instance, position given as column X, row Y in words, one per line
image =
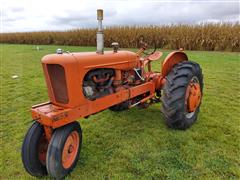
column 133, row 144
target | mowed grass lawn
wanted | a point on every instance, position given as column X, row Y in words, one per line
column 134, row 144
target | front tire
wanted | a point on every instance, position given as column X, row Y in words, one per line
column 182, row 94
column 64, row 149
column 34, row 150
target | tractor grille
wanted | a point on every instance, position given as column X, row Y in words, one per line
column 58, row 81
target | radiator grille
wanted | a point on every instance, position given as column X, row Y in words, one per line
column 58, row 82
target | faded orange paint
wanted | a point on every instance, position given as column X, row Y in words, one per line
column 193, row 96
column 76, row 65
column 171, row 60
column 70, row 149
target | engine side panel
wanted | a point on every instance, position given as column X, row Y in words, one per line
column 77, row 65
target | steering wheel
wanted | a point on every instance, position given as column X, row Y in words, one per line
column 148, row 50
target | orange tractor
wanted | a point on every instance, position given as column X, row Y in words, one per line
column 85, row 83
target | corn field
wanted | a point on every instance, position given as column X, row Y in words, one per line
column 210, row 37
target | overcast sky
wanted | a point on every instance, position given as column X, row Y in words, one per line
column 33, row 15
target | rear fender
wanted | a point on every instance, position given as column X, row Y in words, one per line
column 171, row 60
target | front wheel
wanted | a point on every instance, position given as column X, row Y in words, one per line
column 63, row 150
column 182, row 95
column 34, row 150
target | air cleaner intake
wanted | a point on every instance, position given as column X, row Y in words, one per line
column 100, row 35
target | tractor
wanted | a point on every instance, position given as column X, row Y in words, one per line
column 81, row 84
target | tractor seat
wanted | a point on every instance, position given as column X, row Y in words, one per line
column 155, row 56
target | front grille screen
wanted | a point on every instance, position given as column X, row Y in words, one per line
column 58, row 81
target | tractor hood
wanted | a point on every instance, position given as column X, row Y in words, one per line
column 122, row 60
column 64, row 73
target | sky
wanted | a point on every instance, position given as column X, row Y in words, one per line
column 41, row 15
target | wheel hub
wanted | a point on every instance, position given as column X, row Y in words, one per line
column 70, row 149
column 42, row 149
column 193, row 96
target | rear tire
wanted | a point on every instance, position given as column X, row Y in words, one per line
column 174, row 106
column 30, row 151
column 120, row 107
column 63, row 150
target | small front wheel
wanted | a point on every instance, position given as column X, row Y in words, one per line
column 63, row 150
column 34, row 150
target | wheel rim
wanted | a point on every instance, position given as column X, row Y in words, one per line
column 70, row 149
column 42, row 149
column 193, row 96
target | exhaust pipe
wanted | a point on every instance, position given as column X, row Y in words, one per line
column 100, row 35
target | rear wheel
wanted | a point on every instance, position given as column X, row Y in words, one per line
column 34, row 150
column 182, row 94
column 120, row 107
column 64, row 149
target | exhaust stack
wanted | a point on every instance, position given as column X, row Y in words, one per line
column 100, row 35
